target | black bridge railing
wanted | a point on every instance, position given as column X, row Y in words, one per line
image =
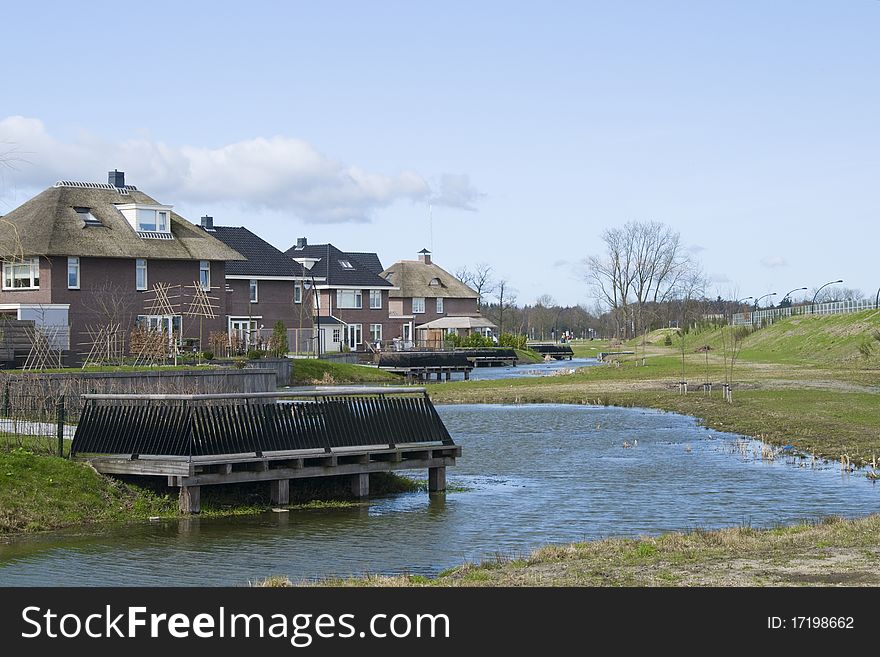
column 208, row 425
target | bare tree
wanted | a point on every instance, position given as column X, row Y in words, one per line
column 506, row 300
column 479, row 278
column 643, row 262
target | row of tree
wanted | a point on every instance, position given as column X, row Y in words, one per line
column 643, row 278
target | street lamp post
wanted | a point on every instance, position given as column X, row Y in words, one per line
column 797, row 289
column 813, row 304
column 771, row 294
column 307, row 264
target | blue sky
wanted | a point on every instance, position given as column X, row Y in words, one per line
column 749, row 127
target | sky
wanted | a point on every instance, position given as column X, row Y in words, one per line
column 508, row 133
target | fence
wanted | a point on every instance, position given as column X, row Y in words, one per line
column 202, row 425
column 35, row 422
column 831, row 308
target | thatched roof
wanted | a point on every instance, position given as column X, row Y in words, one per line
column 417, row 279
column 48, row 225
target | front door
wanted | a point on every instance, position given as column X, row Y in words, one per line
column 355, row 336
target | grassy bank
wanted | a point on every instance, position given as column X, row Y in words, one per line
column 831, row 552
column 45, row 492
column 310, row 371
column 39, row 493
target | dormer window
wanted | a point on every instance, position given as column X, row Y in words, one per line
column 150, row 221
column 435, row 282
column 345, row 264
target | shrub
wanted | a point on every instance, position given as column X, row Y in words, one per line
column 255, row 354
column 278, row 340
column 668, row 340
column 511, row 340
column 208, row 355
column 239, row 363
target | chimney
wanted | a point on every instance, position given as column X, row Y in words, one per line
column 425, row 256
column 116, row 178
column 301, row 242
column 207, row 222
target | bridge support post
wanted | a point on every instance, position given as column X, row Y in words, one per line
column 360, row 484
column 437, row 479
column 448, row 375
column 190, row 499
column 467, row 375
column 279, row 492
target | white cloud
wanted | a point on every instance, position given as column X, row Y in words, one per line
column 696, row 248
column 774, row 261
column 278, row 173
column 456, row 191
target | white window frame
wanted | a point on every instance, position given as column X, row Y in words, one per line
column 161, row 217
column 254, row 290
column 297, row 292
column 439, row 305
column 337, row 335
column 375, row 335
column 354, row 336
column 375, row 299
column 9, row 278
column 73, row 268
column 358, row 299
column 244, row 327
column 140, row 265
column 418, row 305
column 205, row 268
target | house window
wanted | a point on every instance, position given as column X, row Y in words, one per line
column 345, row 264
column 375, row 332
column 418, row 305
column 254, row 291
column 439, row 305
column 205, row 274
column 435, row 282
column 375, row 299
column 22, row 275
column 149, row 220
column 297, row 292
column 337, row 335
column 73, row 273
column 87, row 217
column 170, row 325
column 140, row 276
column 349, row 299
column 243, row 329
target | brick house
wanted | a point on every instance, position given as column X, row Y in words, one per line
column 426, row 302
column 350, row 290
column 82, row 255
column 266, row 287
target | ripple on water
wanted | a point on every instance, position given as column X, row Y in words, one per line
column 534, row 475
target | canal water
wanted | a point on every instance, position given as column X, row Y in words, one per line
column 533, row 475
column 546, row 368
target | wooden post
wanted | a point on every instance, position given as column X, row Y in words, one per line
column 439, row 375
column 448, row 375
column 467, row 375
column 190, row 499
column 437, row 479
column 360, row 484
column 60, row 419
column 279, row 492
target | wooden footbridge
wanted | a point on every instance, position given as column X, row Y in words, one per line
column 202, row 440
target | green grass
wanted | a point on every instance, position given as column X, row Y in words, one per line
column 310, row 371
column 45, row 492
